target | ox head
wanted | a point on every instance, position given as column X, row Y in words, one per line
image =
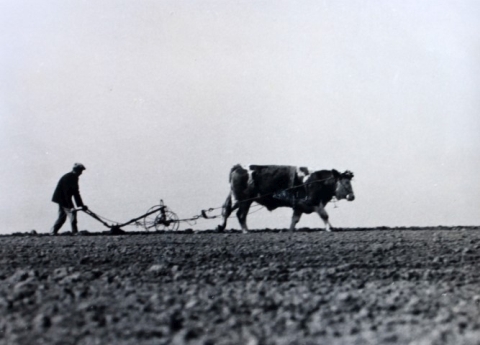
column 343, row 188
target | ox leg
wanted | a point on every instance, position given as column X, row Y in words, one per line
column 324, row 215
column 227, row 210
column 242, row 213
column 295, row 218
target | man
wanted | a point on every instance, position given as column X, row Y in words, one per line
column 67, row 188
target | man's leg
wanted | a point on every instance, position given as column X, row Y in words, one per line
column 62, row 216
column 73, row 219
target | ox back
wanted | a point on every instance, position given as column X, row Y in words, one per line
column 302, row 189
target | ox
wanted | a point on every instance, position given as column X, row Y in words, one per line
column 302, row 189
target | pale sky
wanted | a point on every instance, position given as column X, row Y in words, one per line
column 159, row 99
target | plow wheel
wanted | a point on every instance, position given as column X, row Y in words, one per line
column 163, row 220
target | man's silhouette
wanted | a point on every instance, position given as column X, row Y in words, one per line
column 67, row 188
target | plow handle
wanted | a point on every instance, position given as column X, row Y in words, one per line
column 93, row 215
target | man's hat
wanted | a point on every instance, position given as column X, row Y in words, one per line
column 79, row 166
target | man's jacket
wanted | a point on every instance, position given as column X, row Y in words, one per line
column 66, row 188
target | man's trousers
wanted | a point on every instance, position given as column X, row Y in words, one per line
column 63, row 213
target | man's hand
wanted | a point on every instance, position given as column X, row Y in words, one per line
column 84, row 207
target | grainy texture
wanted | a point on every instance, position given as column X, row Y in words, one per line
column 349, row 287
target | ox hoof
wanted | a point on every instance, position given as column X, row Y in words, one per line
column 220, row 228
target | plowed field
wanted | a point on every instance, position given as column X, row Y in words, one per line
column 391, row 286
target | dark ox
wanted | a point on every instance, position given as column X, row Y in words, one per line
column 302, row 189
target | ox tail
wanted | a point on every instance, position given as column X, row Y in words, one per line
column 227, row 206
column 226, row 211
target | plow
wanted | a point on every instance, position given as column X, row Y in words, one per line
column 157, row 218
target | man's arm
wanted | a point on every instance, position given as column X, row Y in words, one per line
column 76, row 193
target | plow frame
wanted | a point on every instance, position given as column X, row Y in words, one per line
column 158, row 217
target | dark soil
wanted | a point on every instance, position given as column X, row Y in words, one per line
column 386, row 286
